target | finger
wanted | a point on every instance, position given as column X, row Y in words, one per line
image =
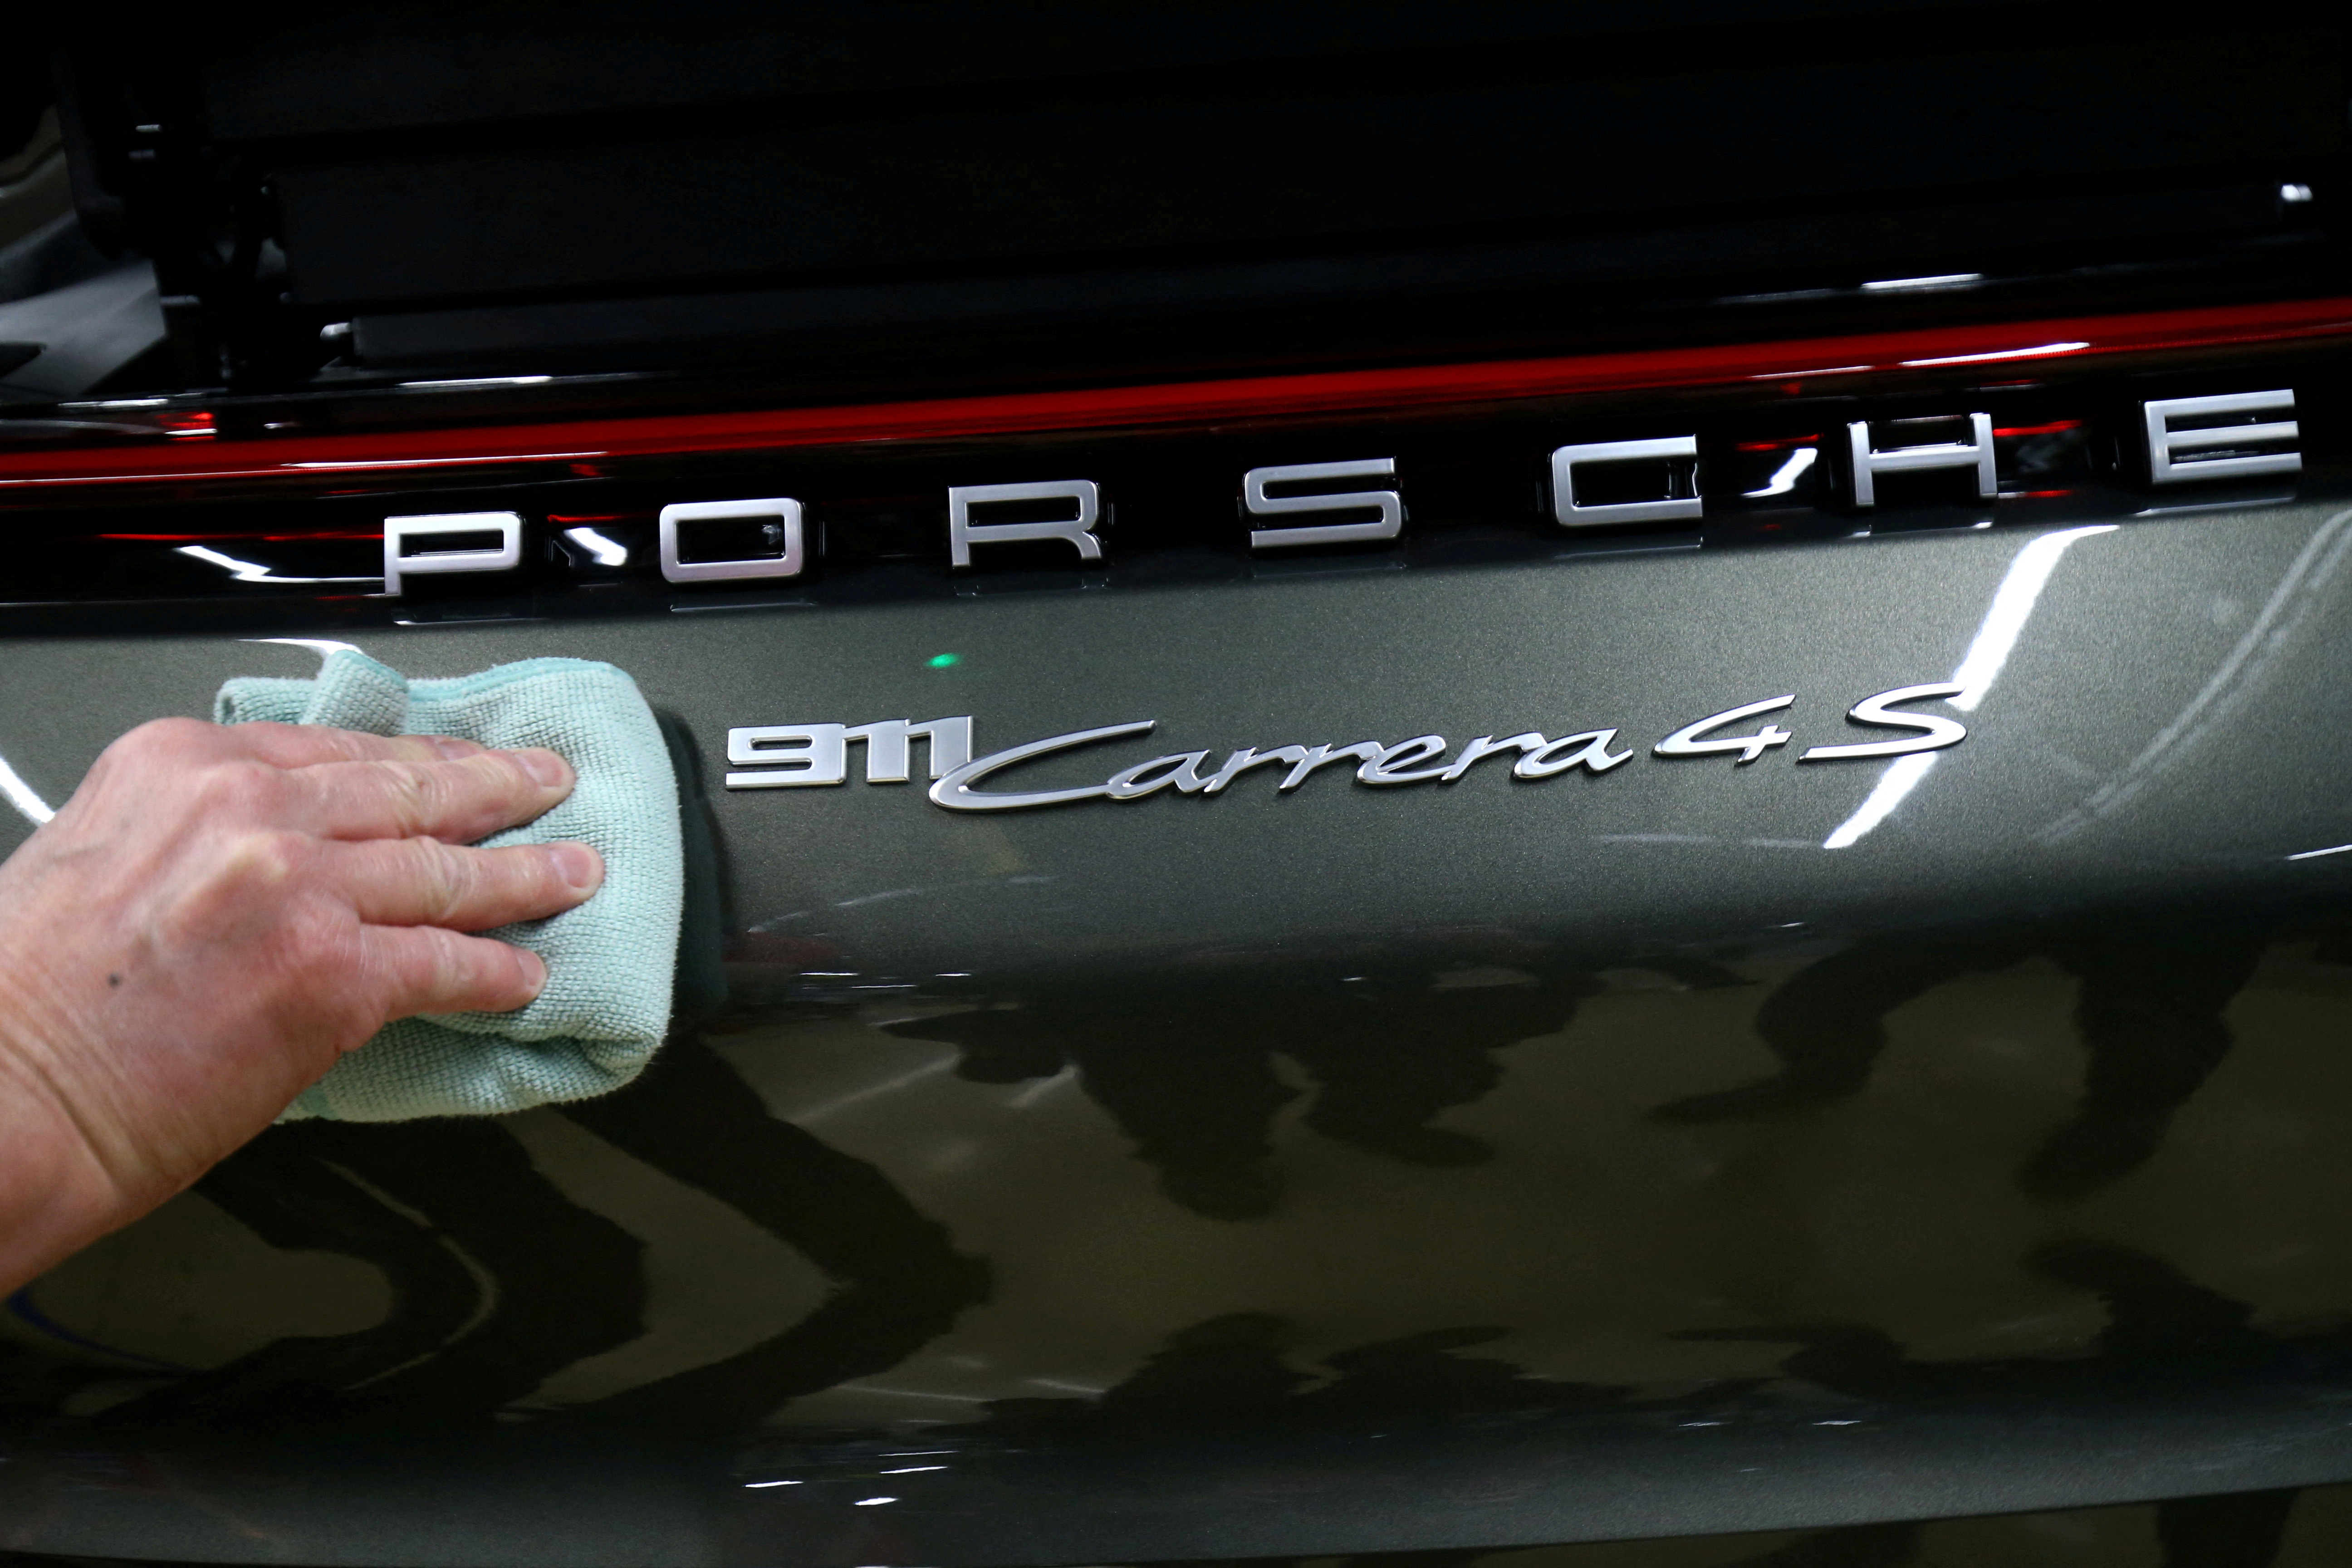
column 423, row 881
column 458, row 801
column 308, row 745
column 425, row 969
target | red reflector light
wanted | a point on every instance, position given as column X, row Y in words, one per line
column 323, row 463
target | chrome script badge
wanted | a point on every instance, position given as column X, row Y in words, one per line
column 795, row 756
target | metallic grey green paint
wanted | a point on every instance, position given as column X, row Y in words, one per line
column 1347, row 1169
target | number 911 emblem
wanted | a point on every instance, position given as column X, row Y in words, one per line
column 794, row 757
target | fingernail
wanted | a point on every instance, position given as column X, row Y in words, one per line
column 449, row 748
column 577, row 864
column 534, row 969
column 544, row 767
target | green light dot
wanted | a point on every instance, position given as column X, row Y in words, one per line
column 944, row 660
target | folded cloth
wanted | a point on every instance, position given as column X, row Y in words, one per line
column 609, row 961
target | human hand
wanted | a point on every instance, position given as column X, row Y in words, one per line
column 219, row 913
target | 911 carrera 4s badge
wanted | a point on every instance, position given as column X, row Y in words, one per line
column 787, row 756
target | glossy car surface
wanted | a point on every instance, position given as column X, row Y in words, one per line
column 1673, row 1145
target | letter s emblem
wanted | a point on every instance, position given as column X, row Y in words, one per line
column 1936, row 733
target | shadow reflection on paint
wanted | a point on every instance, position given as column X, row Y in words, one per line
column 2156, row 1317
column 2153, row 988
column 498, row 1280
column 1190, row 1074
column 1232, row 1372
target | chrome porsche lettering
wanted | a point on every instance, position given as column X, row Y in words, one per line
column 1075, row 530
column 1388, row 523
column 782, row 528
column 1682, row 499
column 1593, row 484
column 398, row 562
column 2215, row 427
column 1865, row 460
column 791, row 755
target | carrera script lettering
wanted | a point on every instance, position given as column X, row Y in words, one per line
column 797, row 755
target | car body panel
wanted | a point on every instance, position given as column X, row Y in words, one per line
column 884, row 1193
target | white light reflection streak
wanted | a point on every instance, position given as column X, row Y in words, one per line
column 1784, row 478
column 1087, row 1388
column 1940, row 281
column 254, row 572
column 913, row 1392
column 1818, row 370
column 2012, row 603
column 478, row 380
column 888, row 1086
column 608, row 553
column 323, row 647
column 1031, row 1094
column 2037, row 353
column 20, row 795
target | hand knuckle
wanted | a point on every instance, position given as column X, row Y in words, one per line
column 156, row 739
column 407, row 791
column 408, row 971
column 251, row 881
column 173, row 732
column 446, row 878
column 261, row 859
column 319, row 941
column 455, row 963
column 501, row 777
column 240, row 790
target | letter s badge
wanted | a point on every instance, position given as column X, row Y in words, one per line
column 1934, row 733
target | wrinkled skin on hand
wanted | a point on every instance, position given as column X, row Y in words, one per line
column 219, row 913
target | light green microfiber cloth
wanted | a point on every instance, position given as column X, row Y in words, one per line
column 608, row 961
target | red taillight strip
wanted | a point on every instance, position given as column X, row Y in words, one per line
column 330, row 458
